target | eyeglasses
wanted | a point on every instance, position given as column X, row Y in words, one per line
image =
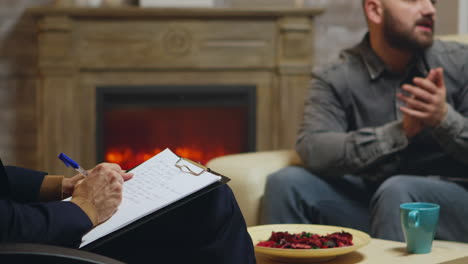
column 184, row 168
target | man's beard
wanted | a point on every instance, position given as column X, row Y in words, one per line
column 404, row 39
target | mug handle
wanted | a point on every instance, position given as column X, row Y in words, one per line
column 413, row 219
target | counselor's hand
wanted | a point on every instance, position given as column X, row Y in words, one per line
column 103, row 188
column 68, row 184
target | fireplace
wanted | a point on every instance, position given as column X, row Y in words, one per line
column 81, row 49
column 199, row 122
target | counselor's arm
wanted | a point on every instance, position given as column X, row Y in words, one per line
column 24, row 219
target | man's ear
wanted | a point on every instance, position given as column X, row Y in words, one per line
column 374, row 11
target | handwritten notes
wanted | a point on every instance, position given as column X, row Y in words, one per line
column 156, row 184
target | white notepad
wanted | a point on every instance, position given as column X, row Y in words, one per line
column 156, row 183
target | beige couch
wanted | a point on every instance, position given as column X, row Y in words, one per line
column 457, row 38
column 248, row 173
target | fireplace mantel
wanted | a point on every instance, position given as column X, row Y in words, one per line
column 144, row 13
column 83, row 48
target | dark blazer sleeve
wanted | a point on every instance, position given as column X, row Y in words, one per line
column 24, row 184
column 22, row 220
column 55, row 223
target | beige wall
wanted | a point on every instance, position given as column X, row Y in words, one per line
column 447, row 17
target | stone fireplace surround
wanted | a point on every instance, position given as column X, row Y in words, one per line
column 84, row 48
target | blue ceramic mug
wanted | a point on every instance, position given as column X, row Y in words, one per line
column 419, row 223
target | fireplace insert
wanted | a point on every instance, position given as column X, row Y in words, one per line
column 199, row 122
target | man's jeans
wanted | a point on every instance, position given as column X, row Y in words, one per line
column 294, row 195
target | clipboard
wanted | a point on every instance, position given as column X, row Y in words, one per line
column 148, row 218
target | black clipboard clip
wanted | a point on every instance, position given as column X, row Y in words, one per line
column 185, row 168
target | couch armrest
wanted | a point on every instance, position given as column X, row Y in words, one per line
column 457, row 38
column 248, row 173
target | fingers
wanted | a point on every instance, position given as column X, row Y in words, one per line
column 431, row 75
column 426, row 85
column 77, row 178
column 108, row 166
column 418, row 93
column 439, row 78
column 412, row 112
column 127, row 176
column 420, row 102
column 433, row 83
column 427, row 99
column 115, row 176
column 115, row 167
column 103, row 187
column 79, row 182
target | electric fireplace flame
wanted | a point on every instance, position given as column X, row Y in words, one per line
column 132, row 136
column 129, row 158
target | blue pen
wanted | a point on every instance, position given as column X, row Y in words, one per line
column 69, row 162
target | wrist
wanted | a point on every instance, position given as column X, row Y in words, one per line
column 66, row 185
column 51, row 188
column 88, row 207
column 411, row 129
column 442, row 116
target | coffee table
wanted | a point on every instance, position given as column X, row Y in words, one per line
column 380, row 251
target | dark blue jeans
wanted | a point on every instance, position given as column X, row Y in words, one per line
column 294, row 195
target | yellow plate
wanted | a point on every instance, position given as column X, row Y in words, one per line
column 280, row 255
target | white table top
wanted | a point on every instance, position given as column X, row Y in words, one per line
column 380, row 251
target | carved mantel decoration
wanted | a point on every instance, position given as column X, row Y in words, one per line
column 83, row 48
